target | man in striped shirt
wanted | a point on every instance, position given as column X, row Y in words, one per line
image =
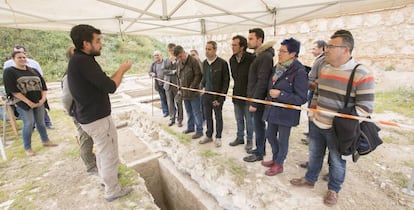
column 329, row 96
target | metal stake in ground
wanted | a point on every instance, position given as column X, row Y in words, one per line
column 409, row 189
column 152, row 96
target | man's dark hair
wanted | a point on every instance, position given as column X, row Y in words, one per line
column 321, row 44
column 347, row 38
column 213, row 43
column 178, row 49
column 292, row 45
column 81, row 33
column 258, row 32
column 242, row 41
column 171, row 45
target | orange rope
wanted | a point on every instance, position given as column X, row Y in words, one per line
column 289, row 106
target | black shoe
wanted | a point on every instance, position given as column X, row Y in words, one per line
column 251, row 151
column 171, row 123
column 326, row 177
column 304, row 165
column 306, row 133
column 253, row 158
column 197, row 135
column 188, row 131
column 236, row 142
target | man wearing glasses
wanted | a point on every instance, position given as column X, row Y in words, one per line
column 332, row 85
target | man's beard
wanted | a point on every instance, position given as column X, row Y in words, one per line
column 95, row 52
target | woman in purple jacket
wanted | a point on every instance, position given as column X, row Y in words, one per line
column 288, row 85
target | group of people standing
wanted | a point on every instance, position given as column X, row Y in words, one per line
column 255, row 76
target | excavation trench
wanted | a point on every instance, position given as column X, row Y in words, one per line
column 170, row 188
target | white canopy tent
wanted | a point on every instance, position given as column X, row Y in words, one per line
column 178, row 17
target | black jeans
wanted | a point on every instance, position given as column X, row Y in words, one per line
column 208, row 116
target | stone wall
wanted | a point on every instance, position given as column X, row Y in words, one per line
column 383, row 39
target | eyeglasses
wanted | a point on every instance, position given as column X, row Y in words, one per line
column 331, row 46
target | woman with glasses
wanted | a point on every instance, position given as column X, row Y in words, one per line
column 28, row 91
column 288, row 85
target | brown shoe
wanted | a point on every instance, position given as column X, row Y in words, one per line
column 331, row 198
column 30, row 152
column 269, row 163
column 49, row 144
column 180, row 124
column 301, row 182
column 275, row 169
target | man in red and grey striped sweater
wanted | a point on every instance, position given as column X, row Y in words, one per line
column 330, row 94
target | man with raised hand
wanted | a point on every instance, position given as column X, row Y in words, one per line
column 90, row 86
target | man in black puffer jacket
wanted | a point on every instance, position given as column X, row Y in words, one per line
column 259, row 74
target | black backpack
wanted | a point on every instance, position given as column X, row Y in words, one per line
column 354, row 138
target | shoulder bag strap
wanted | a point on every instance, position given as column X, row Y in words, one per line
column 349, row 86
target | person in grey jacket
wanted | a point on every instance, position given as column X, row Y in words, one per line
column 84, row 140
column 175, row 104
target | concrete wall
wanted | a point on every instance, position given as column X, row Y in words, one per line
column 383, row 39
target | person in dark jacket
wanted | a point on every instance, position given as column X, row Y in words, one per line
column 240, row 64
column 288, row 85
column 189, row 76
column 216, row 78
column 259, row 74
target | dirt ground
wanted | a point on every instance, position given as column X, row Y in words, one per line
column 56, row 179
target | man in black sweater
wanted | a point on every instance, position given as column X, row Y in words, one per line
column 240, row 64
column 90, row 87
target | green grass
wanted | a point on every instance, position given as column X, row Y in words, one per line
column 400, row 179
column 128, row 176
column 183, row 138
column 400, row 101
column 238, row 171
column 208, row 154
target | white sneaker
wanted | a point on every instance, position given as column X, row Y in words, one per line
column 205, row 140
column 217, row 142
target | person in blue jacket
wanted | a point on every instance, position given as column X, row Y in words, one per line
column 288, row 85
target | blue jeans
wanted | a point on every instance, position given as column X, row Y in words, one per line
column 319, row 140
column 163, row 99
column 48, row 122
column 29, row 118
column 260, row 131
column 192, row 107
column 243, row 117
column 278, row 137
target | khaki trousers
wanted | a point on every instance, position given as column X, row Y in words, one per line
column 105, row 137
